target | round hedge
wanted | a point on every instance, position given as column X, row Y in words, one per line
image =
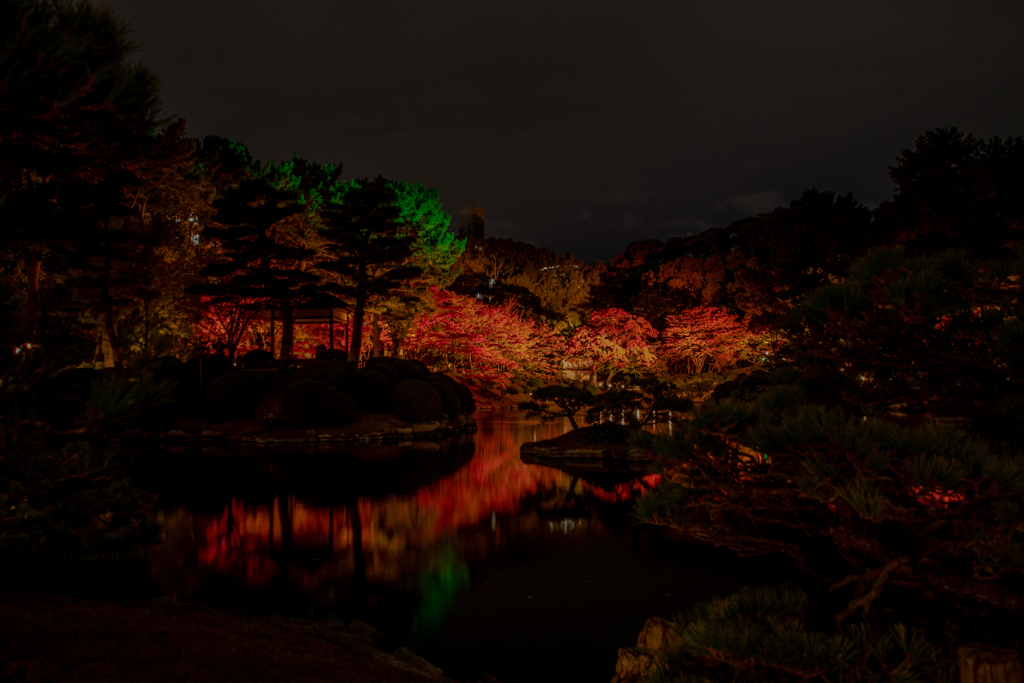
column 257, row 357
column 450, row 403
column 388, row 370
column 466, row 402
column 409, row 369
column 234, row 395
column 414, row 400
column 371, row 390
column 328, row 371
column 314, row 403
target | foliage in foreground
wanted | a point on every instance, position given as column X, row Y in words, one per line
column 760, row 634
column 68, row 503
column 890, row 458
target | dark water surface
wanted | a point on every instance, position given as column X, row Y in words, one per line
column 459, row 550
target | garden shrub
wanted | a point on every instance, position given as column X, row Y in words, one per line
column 414, row 400
column 234, row 396
column 336, row 355
column 450, row 404
column 209, row 368
column 371, row 390
column 420, row 364
column 606, row 432
column 315, row 403
column 408, row 369
column 328, row 371
column 257, row 358
column 466, row 402
column 387, row 369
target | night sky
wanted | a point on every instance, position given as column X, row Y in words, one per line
column 584, row 126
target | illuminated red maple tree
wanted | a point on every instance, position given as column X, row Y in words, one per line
column 614, row 341
column 703, row 334
column 487, row 345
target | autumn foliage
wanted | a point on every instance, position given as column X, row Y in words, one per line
column 486, row 345
column 614, row 341
column 702, row 335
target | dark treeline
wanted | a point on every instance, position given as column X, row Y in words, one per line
column 952, row 191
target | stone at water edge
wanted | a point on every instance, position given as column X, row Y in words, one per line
column 407, row 656
column 989, row 664
column 657, row 634
column 633, row 662
column 364, row 633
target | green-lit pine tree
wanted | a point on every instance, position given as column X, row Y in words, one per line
column 261, row 260
column 368, row 250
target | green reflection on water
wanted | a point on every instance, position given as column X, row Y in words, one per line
column 439, row 584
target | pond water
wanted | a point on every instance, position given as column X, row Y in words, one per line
column 458, row 550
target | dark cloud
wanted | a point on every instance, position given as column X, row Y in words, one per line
column 654, row 116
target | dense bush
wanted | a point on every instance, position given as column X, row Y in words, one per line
column 336, row 355
column 371, row 390
column 414, row 400
column 409, row 369
column 314, row 403
column 328, row 371
column 385, row 368
column 450, row 404
column 202, row 370
column 466, row 401
column 606, row 432
column 257, row 358
column 233, row 396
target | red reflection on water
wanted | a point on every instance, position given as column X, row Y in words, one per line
column 627, row 490
column 249, row 541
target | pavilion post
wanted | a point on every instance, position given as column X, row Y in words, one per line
column 330, row 328
column 271, row 332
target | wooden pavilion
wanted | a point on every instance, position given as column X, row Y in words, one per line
column 314, row 316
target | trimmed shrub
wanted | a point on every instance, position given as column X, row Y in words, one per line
column 450, row 404
column 414, row 400
column 409, row 369
column 328, row 371
column 257, row 358
column 233, row 396
column 466, row 401
column 209, row 368
column 388, row 370
column 606, row 432
column 336, row 355
column 315, row 403
column 371, row 390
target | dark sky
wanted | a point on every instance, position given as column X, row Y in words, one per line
column 584, row 126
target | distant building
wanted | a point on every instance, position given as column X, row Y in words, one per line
column 471, row 223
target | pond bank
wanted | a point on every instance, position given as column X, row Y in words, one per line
column 49, row 638
column 384, row 428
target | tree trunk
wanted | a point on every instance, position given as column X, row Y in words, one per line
column 107, row 348
column 111, row 358
column 375, row 331
column 287, row 330
column 979, row 663
column 357, row 329
column 31, row 296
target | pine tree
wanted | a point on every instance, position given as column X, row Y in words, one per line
column 892, row 439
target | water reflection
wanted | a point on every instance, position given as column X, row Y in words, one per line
column 390, row 536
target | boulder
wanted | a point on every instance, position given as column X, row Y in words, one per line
column 364, row 633
column 632, row 664
column 657, row 634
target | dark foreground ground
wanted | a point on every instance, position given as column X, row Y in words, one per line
column 53, row 638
